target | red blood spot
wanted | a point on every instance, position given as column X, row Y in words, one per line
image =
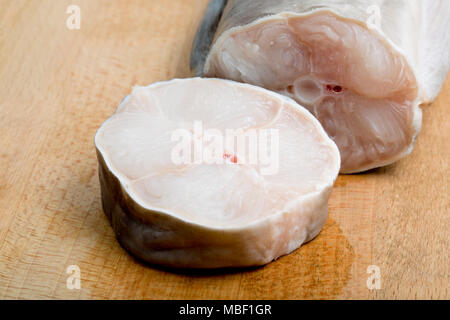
column 337, row 89
column 233, row 159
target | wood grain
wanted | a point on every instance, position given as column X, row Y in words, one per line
column 58, row 85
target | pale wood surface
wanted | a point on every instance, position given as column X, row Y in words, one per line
column 57, row 86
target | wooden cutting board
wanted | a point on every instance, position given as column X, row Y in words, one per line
column 58, row 85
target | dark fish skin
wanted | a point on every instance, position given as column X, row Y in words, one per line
column 205, row 35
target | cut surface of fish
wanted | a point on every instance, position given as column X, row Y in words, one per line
column 358, row 66
column 210, row 214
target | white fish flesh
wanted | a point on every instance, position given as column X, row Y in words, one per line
column 362, row 67
column 211, row 215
